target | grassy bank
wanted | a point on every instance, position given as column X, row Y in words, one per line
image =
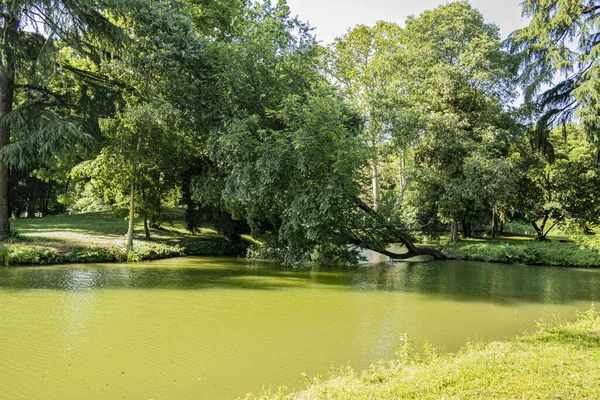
column 560, row 362
column 524, row 250
column 100, row 237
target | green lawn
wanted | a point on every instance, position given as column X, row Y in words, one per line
column 558, row 251
column 555, row 363
column 100, row 237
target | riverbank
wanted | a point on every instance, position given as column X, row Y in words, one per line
column 561, row 252
column 559, row 362
column 100, row 237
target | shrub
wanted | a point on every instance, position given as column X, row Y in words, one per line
column 214, row 247
column 526, row 252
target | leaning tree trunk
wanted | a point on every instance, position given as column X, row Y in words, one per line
column 7, row 89
column 412, row 250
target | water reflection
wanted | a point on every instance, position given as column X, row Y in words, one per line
column 458, row 280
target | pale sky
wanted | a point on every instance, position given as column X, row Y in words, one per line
column 332, row 18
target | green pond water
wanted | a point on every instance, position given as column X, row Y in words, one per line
column 206, row 328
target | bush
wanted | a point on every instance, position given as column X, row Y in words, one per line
column 526, row 252
column 214, row 247
column 33, row 255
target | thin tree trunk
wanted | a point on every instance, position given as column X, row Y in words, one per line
column 494, row 222
column 32, row 199
column 403, row 181
column 453, row 232
column 375, row 183
column 131, row 213
column 7, row 88
column 146, row 229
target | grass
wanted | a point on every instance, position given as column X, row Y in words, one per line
column 529, row 252
column 560, row 362
column 100, row 237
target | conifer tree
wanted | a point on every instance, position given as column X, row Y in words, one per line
column 31, row 34
column 559, row 53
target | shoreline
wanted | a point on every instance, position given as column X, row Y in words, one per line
column 557, row 362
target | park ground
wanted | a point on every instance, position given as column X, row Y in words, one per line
column 100, row 237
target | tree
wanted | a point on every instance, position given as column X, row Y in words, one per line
column 558, row 55
column 150, row 139
column 288, row 158
column 460, row 80
column 363, row 63
column 29, row 35
column 553, row 190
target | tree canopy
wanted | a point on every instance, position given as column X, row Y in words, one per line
column 233, row 110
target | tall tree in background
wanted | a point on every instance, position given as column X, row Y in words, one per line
column 560, row 64
column 363, row 63
column 460, row 80
column 30, row 34
column 165, row 73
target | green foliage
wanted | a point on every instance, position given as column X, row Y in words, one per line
column 563, row 189
column 19, row 254
column 526, row 252
column 558, row 53
column 587, row 242
column 214, row 246
column 22, row 254
column 88, row 255
column 460, row 170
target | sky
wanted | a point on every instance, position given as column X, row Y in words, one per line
column 332, row 18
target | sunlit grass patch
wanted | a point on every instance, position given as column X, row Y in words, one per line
column 100, row 237
column 558, row 362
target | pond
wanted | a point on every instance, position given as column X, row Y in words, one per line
column 219, row 328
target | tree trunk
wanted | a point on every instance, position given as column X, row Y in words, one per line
column 7, row 89
column 586, row 229
column 467, row 228
column 146, row 230
column 538, row 230
column 494, row 222
column 403, row 181
column 32, row 199
column 131, row 214
column 453, row 232
column 375, row 183
column 413, row 250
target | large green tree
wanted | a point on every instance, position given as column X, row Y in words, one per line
column 559, row 53
column 364, row 63
column 460, row 81
column 151, row 138
column 289, row 158
column 31, row 33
